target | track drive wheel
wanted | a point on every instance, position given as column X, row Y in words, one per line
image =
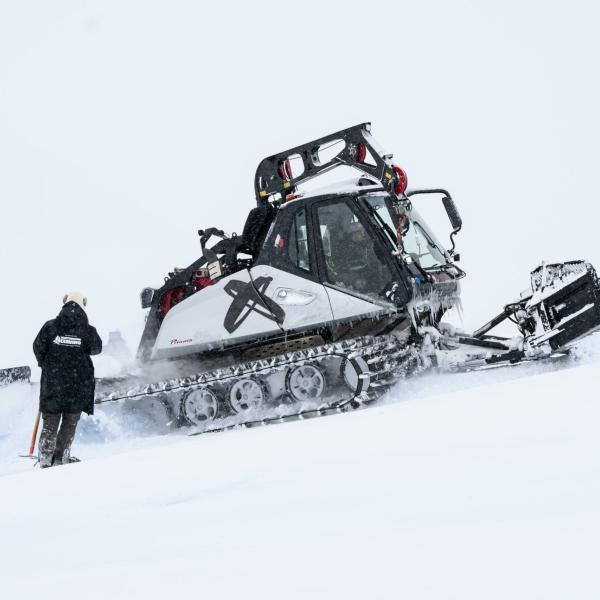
column 199, row 406
column 247, row 394
column 305, row 382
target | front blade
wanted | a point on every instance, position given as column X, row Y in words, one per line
column 565, row 303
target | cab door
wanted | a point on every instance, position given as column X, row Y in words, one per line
column 287, row 273
column 355, row 266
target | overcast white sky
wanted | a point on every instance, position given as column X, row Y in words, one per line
column 127, row 125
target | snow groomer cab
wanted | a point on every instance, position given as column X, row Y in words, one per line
column 310, row 268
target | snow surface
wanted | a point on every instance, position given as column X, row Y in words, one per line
column 481, row 485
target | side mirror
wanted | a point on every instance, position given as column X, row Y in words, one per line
column 455, row 221
column 452, row 213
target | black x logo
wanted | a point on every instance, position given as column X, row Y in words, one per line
column 247, row 298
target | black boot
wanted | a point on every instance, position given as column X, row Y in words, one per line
column 62, row 453
column 47, row 443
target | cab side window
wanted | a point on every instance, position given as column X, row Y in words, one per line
column 350, row 254
column 297, row 241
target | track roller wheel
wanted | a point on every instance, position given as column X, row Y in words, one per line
column 305, row 382
column 355, row 373
column 199, row 406
column 248, row 394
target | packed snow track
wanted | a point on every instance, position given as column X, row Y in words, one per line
column 482, row 485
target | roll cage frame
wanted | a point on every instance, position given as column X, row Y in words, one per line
column 274, row 178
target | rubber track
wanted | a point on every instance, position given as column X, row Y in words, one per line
column 385, row 355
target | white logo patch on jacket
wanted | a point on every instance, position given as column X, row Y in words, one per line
column 68, row 340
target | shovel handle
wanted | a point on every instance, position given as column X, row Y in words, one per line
column 36, row 426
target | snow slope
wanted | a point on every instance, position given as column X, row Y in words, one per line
column 127, row 125
column 491, row 491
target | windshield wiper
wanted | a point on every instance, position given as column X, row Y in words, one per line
column 382, row 223
column 430, row 242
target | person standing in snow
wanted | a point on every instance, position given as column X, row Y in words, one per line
column 63, row 348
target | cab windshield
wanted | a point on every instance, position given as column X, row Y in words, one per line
column 418, row 240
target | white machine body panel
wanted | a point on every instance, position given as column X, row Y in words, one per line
column 304, row 302
column 231, row 311
column 347, row 306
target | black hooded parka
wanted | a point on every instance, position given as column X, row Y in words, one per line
column 63, row 348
